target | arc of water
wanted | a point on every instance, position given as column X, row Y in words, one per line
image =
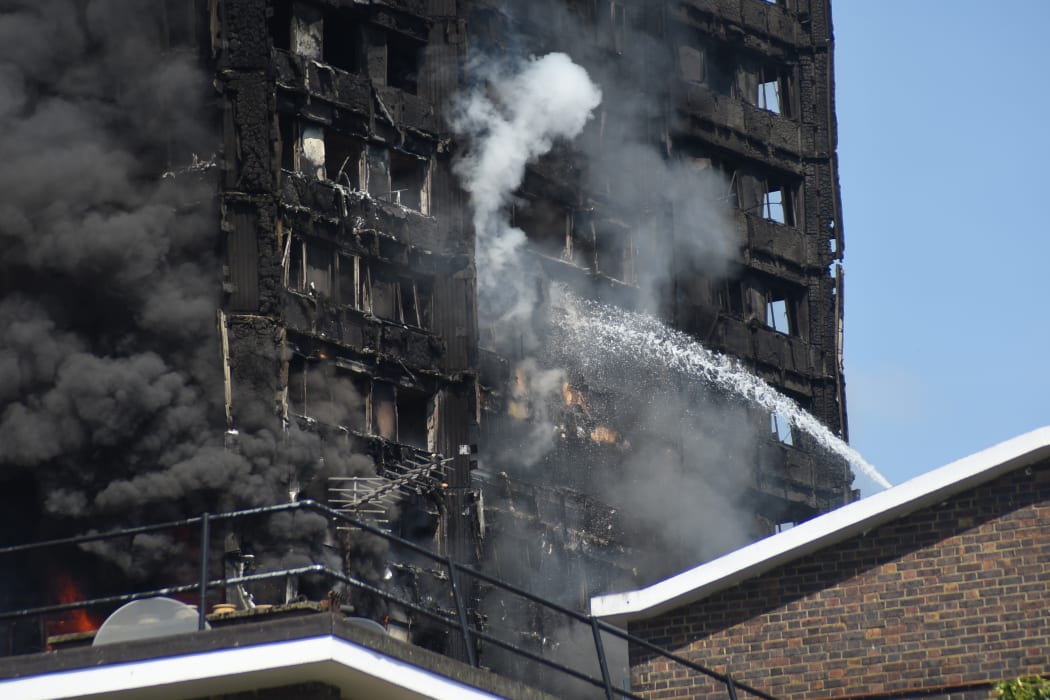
column 647, row 338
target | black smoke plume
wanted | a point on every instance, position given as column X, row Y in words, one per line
column 111, row 385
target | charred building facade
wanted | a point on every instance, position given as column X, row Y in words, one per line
column 352, row 274
column 361, row 362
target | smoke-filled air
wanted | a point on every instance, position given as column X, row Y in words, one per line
column 513, row 116
column 111, row 389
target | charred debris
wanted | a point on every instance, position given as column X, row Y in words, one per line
column 346, row 348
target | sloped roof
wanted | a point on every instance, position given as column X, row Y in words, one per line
column 825, row 530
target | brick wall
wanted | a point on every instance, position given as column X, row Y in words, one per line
column 949, row 599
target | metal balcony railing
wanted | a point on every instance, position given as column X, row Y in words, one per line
column 460, row 622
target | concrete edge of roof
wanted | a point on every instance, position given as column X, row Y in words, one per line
column 321, row 647
column 830, row 528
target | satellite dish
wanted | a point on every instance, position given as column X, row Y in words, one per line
column 367, row 624
column 145, row 619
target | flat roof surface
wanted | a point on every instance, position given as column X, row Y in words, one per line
column 825, row 530
column 316, row 648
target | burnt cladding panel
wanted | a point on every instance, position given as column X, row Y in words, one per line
column 454, row 416
column 454, row 318
column 243, row 260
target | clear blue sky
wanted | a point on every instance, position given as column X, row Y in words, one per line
column 944, row 148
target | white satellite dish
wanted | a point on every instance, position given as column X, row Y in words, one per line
column 145, row 619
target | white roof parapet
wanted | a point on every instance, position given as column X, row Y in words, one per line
column 825, row 530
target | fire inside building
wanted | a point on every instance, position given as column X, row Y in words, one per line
column 247, row 268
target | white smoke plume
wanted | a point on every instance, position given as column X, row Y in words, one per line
column 510, row 119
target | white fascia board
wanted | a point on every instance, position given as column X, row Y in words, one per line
column 334, row 660
column 825, row 530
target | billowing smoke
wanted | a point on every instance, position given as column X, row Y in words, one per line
column 672, row 459
column 109, row 273
column 511, row 118
column 111, row 384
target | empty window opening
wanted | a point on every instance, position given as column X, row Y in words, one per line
column 408, row 176
column 720, row 69
column 615, row 251
column 780, row 307
column 773, row 89
column 404, row 58
column 328, row 394
column 344, row 158
column 730, row 297
column 773, row 206
column 314, row 268
column 780, row 427
column 280, row 24
column 382, row 295
column 294, row 265
column 343, row 45
column 415, row 299
column 833, row 243
column 288, row 132
column 581, row 241
column 381, row 292
column 180, row 23
column 312, row 150
column 777, row 315
column 319, row 271
column 769, row 95
column 349, row 270
column 547, row 226
column 413, row 417
column 384, row 410
column 726, row 174
column 778, row 202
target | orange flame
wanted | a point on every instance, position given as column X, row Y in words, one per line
column 76, row 620
column 574, row 397
column 604, row 436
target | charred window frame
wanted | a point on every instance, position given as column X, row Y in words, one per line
column 415, row 418
column 773, row 197
column 382, row 292
column 329, row 394
column 721, row 67
column 181, row 23
column 288, row 141
column 548, row 225
column 343, row 42
column 410, row 181
column 726, row 170
column 312, row 268
column 780, row 201
column 779, row 305
column 398, row 177
column 404, row 62
column 729, row 296
column 781, row 430
column 615, row 253
column 325, row 152
column 403, row 415
column 774, row 90
column 344, row 158
column 280, row 24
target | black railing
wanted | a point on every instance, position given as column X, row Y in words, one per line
column 470, row 635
